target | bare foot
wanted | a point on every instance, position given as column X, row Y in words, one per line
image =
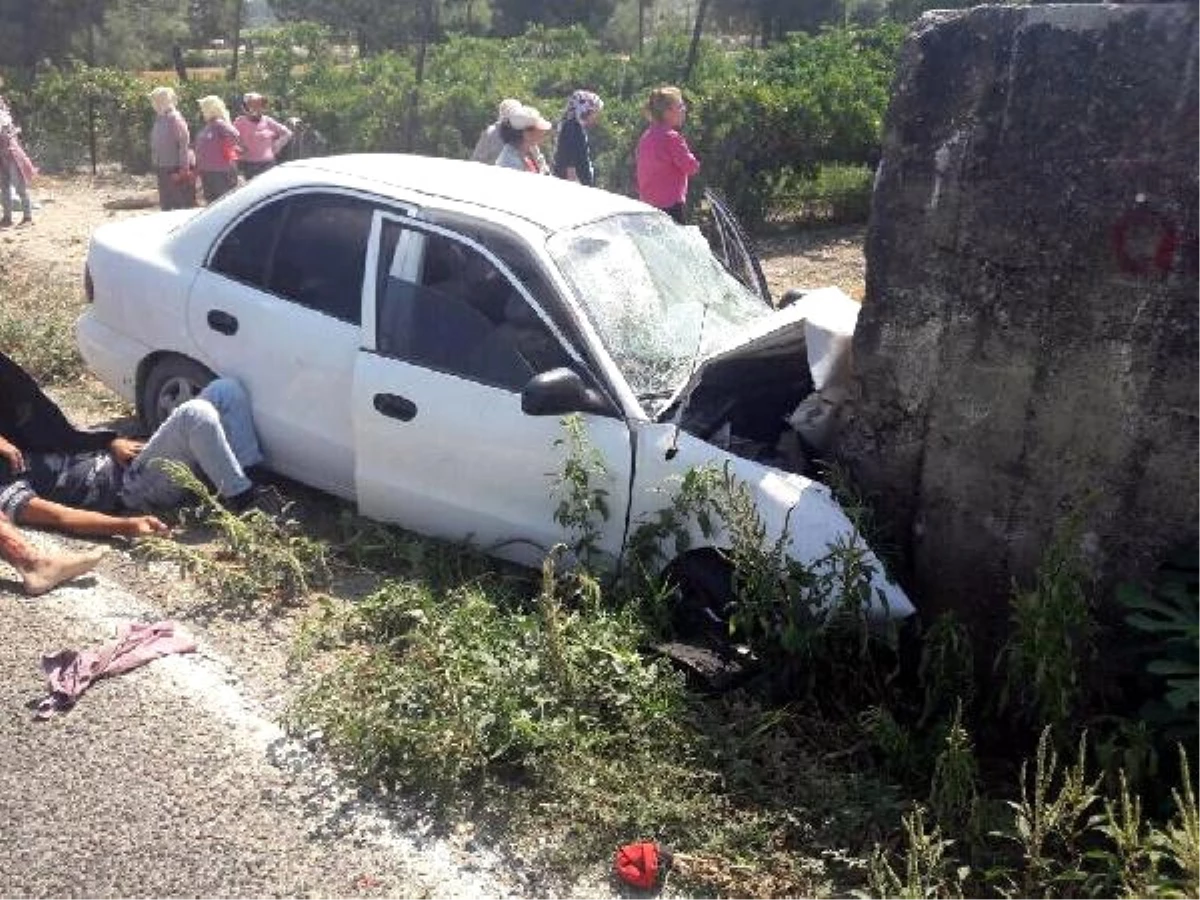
column 46, row 572
column 143, row 526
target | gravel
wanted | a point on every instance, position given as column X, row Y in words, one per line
column 175, row 780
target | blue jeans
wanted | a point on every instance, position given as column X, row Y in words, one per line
column 213, row 433
column 12, row 178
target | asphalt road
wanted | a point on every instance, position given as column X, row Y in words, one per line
column 172, row 780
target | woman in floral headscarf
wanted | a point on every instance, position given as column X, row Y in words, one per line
column 573, row 154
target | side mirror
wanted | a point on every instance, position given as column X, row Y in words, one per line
column 559, row 392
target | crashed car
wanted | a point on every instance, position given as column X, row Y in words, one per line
column 412, row 331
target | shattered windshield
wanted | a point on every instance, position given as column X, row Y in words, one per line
column 645, row 282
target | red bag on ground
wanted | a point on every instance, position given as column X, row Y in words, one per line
column 637, row 864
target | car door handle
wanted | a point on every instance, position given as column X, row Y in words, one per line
column 395, row 407
column 222, row 322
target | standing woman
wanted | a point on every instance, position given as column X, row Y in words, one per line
column 523, row 133
column 216, row 149
column 573, row 153
column 16, row 169
column 262, row 137
column 664, row 159
column 169, row 153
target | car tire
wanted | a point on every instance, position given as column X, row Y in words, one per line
column 704, row 596
column 170, row 381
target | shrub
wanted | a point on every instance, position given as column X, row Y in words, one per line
column 763, row 122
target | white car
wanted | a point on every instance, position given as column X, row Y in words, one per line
column 412, row 330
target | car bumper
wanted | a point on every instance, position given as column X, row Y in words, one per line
column 111, row 356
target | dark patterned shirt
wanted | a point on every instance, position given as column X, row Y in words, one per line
column 90, row 480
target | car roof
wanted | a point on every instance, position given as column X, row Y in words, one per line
column 552, row 203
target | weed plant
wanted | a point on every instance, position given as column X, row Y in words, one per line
column 534, row 705
column 1164, row 618
column 1046, row 663
column 37, row 321
column 262, row 560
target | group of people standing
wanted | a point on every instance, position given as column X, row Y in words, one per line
column 248, row 145
column 665, row 162
column 514, row 140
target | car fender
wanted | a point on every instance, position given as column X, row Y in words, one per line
column 140, row 289
column 813, row 519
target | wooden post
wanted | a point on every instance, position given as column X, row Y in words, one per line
column 237, row 38
column 91, row 100
column 694, row 49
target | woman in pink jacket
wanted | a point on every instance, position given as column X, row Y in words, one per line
column 216, row 149
column 664, row 160
column 262, row 137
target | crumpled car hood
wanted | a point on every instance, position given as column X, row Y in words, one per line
column 821, row 321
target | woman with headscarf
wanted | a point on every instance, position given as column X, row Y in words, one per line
column 216, row 149
column 573, row 154
column 169, row 152
column 262, row 137
column 523, row 133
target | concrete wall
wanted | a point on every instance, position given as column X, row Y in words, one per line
column 1028, row 343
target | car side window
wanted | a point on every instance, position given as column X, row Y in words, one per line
column 245, row 251
column 460, row 314
column 320, row 254
column 520, row 262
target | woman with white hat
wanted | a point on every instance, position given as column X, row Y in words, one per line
column 523, row 133
column 489, row 145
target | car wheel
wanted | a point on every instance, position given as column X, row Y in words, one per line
column 172, row 380
column 704, row 596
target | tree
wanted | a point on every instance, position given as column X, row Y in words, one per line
column 694, row 47
column 374, row 25
column 210, row 19
column 127, row 33
column 30, row 32
column 773, row 19
column 138, row 33
column 514, row 16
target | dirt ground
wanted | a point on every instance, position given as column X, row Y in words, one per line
column 71, row 207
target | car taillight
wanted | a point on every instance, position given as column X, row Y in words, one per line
column 88, row 288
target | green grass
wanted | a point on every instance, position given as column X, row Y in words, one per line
column 37, row 323
column 838, row 194
column 541, row 714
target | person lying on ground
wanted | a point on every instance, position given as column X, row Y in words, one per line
column 56, row 476
column 42, row 571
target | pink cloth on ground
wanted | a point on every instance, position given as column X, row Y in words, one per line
column 71, row 672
